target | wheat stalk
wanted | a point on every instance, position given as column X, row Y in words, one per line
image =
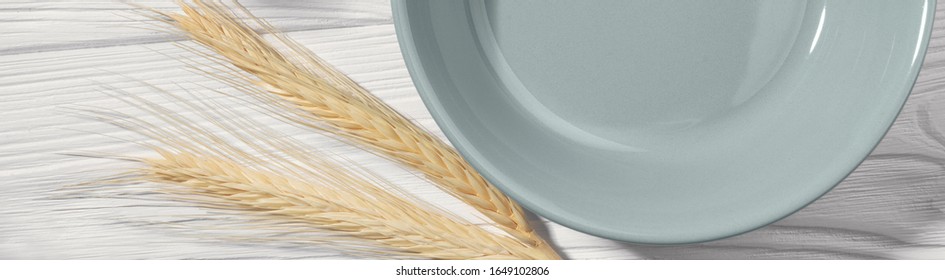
column 335, row 103
column 252, row 167
column 367, row 213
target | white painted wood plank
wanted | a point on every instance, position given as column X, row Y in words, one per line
column 58, row 54
column 36, row 26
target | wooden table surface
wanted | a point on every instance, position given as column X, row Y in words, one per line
column 55, row 56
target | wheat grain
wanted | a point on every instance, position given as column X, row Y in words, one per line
column 335, row 103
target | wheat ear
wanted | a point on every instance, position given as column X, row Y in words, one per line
column 249, row 166
column 368, row 213
column 343, row 107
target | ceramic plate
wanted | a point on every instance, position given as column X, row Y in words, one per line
column 664, row 122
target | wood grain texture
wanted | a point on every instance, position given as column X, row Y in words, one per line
column 56, row 55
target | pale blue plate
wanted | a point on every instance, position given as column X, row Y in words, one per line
column 664, row 121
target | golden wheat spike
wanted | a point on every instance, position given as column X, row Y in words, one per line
column 343, row 107
column 225, row 159
column 370, row 213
